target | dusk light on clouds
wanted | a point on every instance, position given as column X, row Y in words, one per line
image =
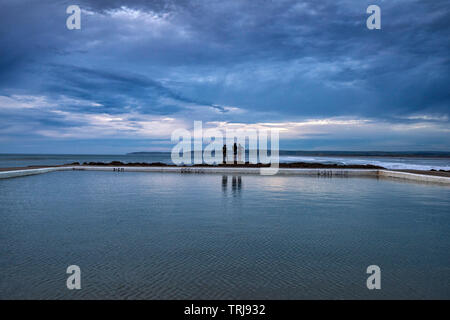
column 132, row 74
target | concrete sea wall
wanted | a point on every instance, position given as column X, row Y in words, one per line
column 29, row 172
column 413, row 176
column 224, row 170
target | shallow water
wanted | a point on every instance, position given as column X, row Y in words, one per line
column 194, row 236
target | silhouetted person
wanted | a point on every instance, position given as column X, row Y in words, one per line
column 235, row 152
column 224, row 153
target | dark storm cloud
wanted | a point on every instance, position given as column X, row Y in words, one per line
column 277, row 60
column 113, row 90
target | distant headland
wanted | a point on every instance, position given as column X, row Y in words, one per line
column 325, row 153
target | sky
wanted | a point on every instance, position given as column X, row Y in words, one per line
column 138, row 70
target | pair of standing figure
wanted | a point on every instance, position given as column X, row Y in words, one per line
column 237, row 153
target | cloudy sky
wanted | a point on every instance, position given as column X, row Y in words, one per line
column 137, row 70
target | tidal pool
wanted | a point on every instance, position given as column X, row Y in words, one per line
column 207, row 236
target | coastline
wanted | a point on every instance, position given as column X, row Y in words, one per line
column 329, row 170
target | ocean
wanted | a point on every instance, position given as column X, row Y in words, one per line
column 210, row 236
column 416, row 161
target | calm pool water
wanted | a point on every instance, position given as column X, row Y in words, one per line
column 193, row 236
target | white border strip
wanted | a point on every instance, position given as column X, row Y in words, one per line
column 29, row 172
column 282, row 171
column 224, row 170
column 413, row 176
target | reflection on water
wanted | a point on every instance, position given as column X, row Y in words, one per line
column 224, row 184
column 204, row 236
column 236, row 185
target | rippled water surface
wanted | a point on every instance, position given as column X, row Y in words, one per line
column 189, row 236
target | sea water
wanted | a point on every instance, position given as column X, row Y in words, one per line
column 414, row 162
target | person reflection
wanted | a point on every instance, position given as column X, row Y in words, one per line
column 224, row 184
column 236, row 185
